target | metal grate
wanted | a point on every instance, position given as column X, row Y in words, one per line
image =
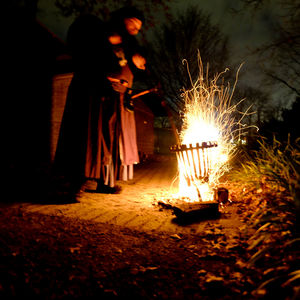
column 195, row 160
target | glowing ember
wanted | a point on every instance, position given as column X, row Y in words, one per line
column 209, row 129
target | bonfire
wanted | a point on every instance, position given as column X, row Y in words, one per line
column 212, row 128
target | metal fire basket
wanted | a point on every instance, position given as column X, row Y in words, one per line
column 196, row 164
column 195, row 160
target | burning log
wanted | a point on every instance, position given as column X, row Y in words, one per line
column 189, row 212
column 195, row 162
column 195, row 159
column 209, row 131
column 195, row 211
column 210, row 127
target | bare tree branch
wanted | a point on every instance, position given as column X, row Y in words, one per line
column 284, row 82
column 179, row 39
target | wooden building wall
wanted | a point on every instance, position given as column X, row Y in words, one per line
column 144, row 119
column 60, row 85
column 143, row 115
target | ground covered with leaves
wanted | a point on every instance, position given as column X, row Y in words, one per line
column 52, row 257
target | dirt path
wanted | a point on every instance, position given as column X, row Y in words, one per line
column 118, row 246
column 136, row 206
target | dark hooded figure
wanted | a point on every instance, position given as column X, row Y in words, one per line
column 123, row 26
column 88, row 144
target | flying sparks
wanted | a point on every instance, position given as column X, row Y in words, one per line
column 209, row 118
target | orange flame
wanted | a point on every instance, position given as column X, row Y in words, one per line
column 209, row 116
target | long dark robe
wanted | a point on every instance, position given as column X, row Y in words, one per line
column 129, row 153
column 91, row 125
column 85, row 137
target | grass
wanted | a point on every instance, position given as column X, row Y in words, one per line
column 276, row 167
column 272, row 175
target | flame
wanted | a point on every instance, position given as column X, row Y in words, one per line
column 208, row 116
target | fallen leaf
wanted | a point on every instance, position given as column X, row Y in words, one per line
column 240, row 263
column 141, row 269
column 208, row 232
column 237, row 275
column 110, row 291
column 211, row 278
column 175, row 236
column 259, row 293
column 217, row 246
column 151, row 268
column 74, row 249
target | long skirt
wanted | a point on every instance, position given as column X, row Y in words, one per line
column 87, row 135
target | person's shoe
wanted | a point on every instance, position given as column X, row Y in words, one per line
column 105, row 189
column 116, row 189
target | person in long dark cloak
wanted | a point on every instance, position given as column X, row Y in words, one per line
column 88, row 140
column 125, row 23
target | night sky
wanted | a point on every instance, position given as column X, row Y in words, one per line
column 245, row 30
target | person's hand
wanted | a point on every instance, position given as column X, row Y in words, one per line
column 115, row 39
column 139, row 61
column 119, row 85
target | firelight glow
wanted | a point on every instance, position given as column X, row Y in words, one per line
column 210, row 118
